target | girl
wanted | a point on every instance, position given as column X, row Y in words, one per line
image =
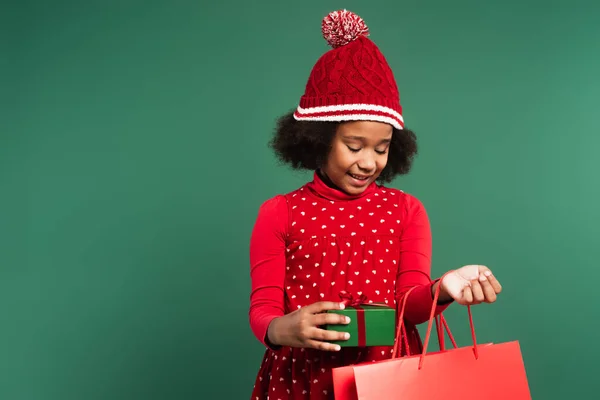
column 344, row 230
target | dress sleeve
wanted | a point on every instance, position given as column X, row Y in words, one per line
column 267, row 266
column 414, row 266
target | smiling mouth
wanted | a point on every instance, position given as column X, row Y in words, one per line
column 359, row 177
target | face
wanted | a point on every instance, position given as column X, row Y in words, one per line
column 359, row 152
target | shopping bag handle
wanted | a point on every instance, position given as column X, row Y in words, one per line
column 429, row 326
column 401, row 329
column 401, row 332
column 440, row 326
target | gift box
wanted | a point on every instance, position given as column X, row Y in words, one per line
column 371, row 324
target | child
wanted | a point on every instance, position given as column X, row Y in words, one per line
column 344, row 230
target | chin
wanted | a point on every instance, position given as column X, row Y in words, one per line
column 355, row 191
column 351, row 189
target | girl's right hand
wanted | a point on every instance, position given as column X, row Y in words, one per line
column 300, row 328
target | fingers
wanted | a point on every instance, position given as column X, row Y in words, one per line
column 311, row 336
column 488, row 291
column 467, row 296
column 321, row 338
column 478, row 296
column 485, row 288
column 330, row 319
column 487, row 273
column 321, row 306
column 314, row 344
column 494, row 282
column 328, row 336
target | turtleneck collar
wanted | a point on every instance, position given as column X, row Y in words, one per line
column 326, row 189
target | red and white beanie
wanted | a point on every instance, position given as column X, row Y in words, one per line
column 353, row 80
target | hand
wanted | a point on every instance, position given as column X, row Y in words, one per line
column 300, row 328
column 470, row 285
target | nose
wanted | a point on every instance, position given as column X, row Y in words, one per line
column 367, row 163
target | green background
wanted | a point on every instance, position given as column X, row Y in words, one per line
column 133, row 160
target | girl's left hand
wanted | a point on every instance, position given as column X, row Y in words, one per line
column 469, row 285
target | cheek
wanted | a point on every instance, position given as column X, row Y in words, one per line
column 382, row 162
column 340, row 160
column 347, row 159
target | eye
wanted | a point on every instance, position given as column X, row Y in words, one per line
column 353, row 149
column 381, row 152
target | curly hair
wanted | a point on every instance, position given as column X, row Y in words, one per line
column 306, row 145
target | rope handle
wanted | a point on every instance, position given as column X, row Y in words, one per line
column 401, row 329
column 402, row 333
column 431, row 317
column 442, row 325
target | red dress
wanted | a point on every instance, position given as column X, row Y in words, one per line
column 316, row 241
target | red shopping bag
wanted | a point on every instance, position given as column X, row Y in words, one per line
column 490, row 371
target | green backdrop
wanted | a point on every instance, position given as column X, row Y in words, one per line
column 133, row 160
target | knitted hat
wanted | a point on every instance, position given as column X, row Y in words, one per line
column 353, row 80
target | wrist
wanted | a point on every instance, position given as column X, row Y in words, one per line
column 444, row 296
column 272, row 338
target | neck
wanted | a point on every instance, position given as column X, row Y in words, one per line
column 328, row 181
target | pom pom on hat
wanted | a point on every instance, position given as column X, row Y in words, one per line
column 342, row 27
